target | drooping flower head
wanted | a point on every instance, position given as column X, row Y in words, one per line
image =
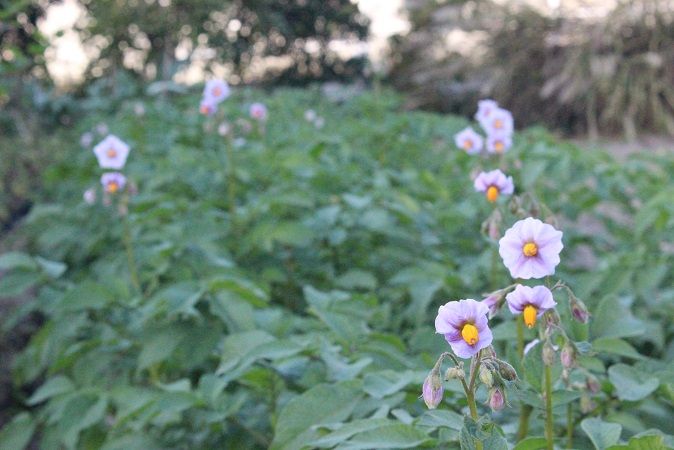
column 492, row 302
column 498, row 142
column 493, row 184
column 500, row 121
column 464, row 325
column 111, row 152
column 484, row 110
column 530, row 302
column 258, row 111
column 113, row 182
column 207, row 107
column 530, row 249
column 432, row 389
column 216, row 91
column 468, row 140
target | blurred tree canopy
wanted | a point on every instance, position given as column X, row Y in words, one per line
column 156, row 38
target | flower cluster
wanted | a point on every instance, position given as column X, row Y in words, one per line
column 111, row 153
column 215, row 92
column 497, row 123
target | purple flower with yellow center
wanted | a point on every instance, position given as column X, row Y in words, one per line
column 498, row 142
column 216, row 91
column 500, row 121
column 207, row 107
column 530, row 302
column 258, row 112
column 484, row 110
column 530, row 249
column 468, row 140
column 111, row 152
column 113, row 182
column 465, row 326
column 493, row 184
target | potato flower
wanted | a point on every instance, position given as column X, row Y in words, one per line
column 113, row 182
column 530, row 302
column 216, row 91
column 468, row 140
column 530, row 249
column 484, row 110
column 493, row 184
column 498, row 142
column 258, row 112
column 464, row 325
column 111, row 152
column 207, row 107
column 500, row 121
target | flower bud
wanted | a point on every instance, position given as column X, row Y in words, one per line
column 506, row 371
column 548, row 354
column 592, row 384
column 568, row 356
column 578, row 309
column 486, row 377
column 586, row 404
column 89, row 196
column 496, row 399
column 432, row 389
column 454, row 373
column 224, row 128
column 494, row 232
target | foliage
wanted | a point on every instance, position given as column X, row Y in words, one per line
column 301, row 315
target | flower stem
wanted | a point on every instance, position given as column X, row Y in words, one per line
column 231, row 180
column 548, row 408
column 520, row 338
column 470, row 392
column 525, row 411
column 130, row 258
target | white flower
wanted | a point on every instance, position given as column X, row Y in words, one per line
column 113, row 182
column 111, row 152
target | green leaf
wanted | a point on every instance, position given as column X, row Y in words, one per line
column 88, row 295
column 16, row 434
column 613, row 319
column 17, row 260
column 532, row 443
column 321, row 404
column 53, row 269
column 532, row 367
column 441, row 418
column 54, row 386
column 345, row 431
column 617, row 347
column 388, row 436
column 631, row 384
column 602, row 434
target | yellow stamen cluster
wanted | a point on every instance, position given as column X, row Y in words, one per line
column 492, row 193
column 467, row 144
column 498, row 146
column 469, row 334
column 498, row 123
column 529, row 315
column 217, row 91
column 112, row 187
column 530, row 249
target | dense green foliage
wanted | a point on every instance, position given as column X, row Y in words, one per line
column 303, row 314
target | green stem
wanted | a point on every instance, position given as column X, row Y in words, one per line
column 548, row 408
column 231, row 180
column 130, row 258
column 520, row 337
column 569, row 425
column 470, row 392
column 525, row 410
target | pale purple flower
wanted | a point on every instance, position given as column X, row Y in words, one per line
column 493, row 184
column 432, row 390
column 89, row 196
column 216, row 91
column 113, row 182
column 319, row 122
column 469, row 141
column 484, row 110
column 500, row 121
column 464, row 325
column 530, row 302
column 530, row 249
column 224, row 128
column 207, row 107
column 310, row 115
column 102, row 129
column 258, row 112
column 498, row 142
column 111, row 152
column 492, row 302
column 86, row 139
